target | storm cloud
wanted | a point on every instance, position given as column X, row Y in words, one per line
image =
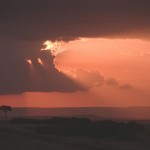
column 18, row 76
column 24, row 24
column 70, row 19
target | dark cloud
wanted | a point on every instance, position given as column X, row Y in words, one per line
column 126, row 87
column 114, row 83
column 18, row 76
column 69, row 19
column 111, row 82
column 47, row 78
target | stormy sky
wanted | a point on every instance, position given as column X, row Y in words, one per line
column 69, row 19
column 25, row 24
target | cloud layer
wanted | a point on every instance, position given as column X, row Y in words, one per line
column 69, row 19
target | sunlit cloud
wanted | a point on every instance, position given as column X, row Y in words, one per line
column 29, row 61
column 55, row 47
column 40, row 61
column 86, row 79
column 93, row 79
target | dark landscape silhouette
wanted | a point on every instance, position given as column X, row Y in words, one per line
column 94, row 113
column 73, row 133
column 84, row 127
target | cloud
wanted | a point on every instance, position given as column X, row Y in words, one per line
column 92, row 79
column 26, row 23
column 126, row 87
column 70, row 19
column 21, row 71
column 111, row 82
column 18, row 76
column 88, row 79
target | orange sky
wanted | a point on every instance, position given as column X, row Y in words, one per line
column 124, row 60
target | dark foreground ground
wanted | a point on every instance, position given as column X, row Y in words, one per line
column 23, row 136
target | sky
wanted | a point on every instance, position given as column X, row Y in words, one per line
column 71, row 53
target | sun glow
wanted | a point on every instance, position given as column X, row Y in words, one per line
column 29, row 61
column 54, row 47
column 40, row 61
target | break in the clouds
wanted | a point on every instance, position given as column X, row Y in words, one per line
column 71, row 19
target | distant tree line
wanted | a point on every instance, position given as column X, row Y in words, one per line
column 84, row 127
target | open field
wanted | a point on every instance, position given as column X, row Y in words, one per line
column 24, row 137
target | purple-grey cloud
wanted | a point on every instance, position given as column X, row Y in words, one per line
column 69, row 19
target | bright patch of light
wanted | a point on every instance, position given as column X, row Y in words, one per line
column 54, row 47
column 29, row 61
column 40, row 61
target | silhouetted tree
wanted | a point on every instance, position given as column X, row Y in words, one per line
column 5, row 109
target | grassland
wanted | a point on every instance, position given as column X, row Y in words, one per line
column 24, row 137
